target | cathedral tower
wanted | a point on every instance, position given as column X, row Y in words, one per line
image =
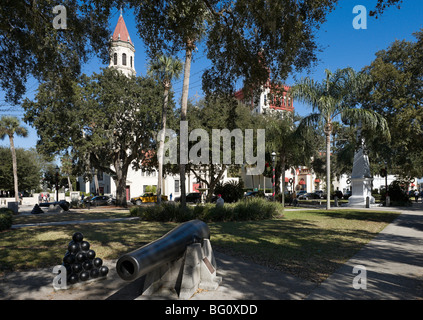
column 122, row 49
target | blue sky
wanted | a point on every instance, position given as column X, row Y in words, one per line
column 343, row 46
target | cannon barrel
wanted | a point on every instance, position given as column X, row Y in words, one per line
column 169, row 247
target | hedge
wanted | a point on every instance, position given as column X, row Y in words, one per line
column 251, row 209
column 6, row 218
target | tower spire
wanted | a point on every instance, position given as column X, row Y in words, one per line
column 122, row 48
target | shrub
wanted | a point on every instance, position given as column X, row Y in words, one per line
column 252, row 209
column 397, row 194
column 165, row 212
column 6, row 218
column 255, row 209
column 231, row 191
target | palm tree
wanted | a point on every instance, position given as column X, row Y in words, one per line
column 184, row 105
column 333, row 99
column 165, row 69
column 8, row 127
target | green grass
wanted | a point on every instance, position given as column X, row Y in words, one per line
column 310, row 244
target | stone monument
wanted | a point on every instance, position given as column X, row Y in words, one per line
column 361, row 177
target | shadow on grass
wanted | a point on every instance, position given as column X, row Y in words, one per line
column 35, row 247
column 370, row 215
column 300, row 247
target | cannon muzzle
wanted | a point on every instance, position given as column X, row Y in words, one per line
column 169, row 247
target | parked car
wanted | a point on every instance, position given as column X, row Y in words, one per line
column 300, row 193
column 147, row 197
column 251, row 194
column 309, row 196
column 321, row 194
column 347, row 194
column 191, row 197
column 99, row 200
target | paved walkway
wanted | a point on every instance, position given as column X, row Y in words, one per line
column 392, row 263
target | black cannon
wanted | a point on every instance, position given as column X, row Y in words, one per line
column 62, row 203
column 169, row 247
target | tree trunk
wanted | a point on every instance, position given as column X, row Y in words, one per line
column 70, row 184
column 328, row 171
column 184, row 105
column 97, row 189
column 120, row 182
column 161, row 146
column 15, row 168
column 214, row 180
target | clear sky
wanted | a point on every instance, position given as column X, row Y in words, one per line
column 343, row 46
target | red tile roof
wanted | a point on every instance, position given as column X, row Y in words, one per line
column 121, row 33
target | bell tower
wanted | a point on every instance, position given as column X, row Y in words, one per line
column 122, row 49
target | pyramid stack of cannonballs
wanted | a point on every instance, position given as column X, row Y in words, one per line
column 81, row 262
column 37, row 209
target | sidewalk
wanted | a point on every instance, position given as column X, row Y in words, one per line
column 393, row 262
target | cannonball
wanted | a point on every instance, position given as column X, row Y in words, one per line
column 103, row 271
column 81, row 256
column 94, row 273
column 77, row 267
column 84, row 276
column 69, row 258
column 77, row 237
column 91, row 254
column 87, row 265
column 85, row 245
column 73, row 278
column 73, row 247
column 97, row 262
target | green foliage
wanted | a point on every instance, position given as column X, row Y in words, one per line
column 333, row 98
column 231, row 191
column 395, row 92
column 252, row 209
column 6, row 218
column 218, row 112
column 29, row 168
column 30, row 45
column 111, row 122
column 397, row 193
column 151, row 189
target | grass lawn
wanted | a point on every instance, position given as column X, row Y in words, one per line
column 310, row 244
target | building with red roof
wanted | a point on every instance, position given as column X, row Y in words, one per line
column 122, row 49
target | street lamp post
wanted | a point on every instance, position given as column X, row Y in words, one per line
column 274, row 186
column 57, row 183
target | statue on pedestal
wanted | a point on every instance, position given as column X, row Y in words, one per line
column 361, row 177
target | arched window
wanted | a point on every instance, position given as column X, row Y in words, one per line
column 130, row 60
column 124, row 59
column 115, row 58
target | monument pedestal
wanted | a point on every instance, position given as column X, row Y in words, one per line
column 196, row 269
column 361, row 189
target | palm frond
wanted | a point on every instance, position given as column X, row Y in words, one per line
column 368, row 118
